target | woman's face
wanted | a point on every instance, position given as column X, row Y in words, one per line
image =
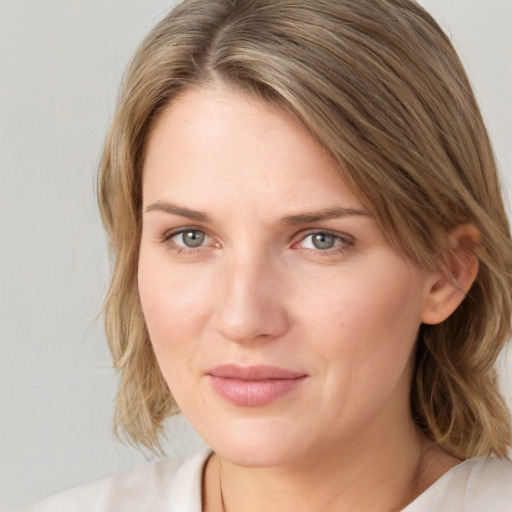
column 281, row 318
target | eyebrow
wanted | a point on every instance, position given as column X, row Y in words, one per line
column 326, row 214
column 164, row 206
column 300, row 218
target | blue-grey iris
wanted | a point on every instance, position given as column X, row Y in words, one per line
column 193, row 238
column 323, row 241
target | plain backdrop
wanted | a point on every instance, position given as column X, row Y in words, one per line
column 60, row 65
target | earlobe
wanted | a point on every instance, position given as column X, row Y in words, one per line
column 452, row 283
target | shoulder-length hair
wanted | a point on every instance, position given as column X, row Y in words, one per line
column 380, row 87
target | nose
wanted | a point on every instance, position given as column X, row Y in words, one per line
column 251, row 303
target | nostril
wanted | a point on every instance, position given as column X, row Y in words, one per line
column 249, row 307
column 256, row 321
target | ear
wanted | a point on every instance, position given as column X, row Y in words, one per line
column 452, row 282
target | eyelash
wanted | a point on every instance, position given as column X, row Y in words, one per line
column 181, row 249
column 343, row 242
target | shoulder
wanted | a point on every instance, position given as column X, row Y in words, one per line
column 476, row 485
column 486, row 481
column 155, row 488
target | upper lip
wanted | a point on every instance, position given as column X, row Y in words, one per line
column 254, row 373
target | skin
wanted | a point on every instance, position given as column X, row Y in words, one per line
column 246, row 180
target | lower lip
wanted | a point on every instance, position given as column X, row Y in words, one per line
column 253, row 393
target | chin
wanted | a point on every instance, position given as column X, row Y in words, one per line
column 260, row 444
column 256, row 456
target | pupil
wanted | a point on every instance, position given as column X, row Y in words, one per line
column 193, row 238
column 323, row 240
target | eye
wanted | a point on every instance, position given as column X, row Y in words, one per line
column 321, row 241
column 192, row 238
column 324, row 241
column 188, row 238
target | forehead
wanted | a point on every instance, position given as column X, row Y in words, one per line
column 220, row 142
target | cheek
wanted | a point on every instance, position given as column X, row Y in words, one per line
column 175, row 308
column 363, row 307
column 365, row 323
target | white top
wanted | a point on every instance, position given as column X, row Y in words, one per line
column 476, row 485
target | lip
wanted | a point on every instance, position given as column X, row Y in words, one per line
column 253, row 386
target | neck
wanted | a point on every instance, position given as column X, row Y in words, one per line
column 338, row 479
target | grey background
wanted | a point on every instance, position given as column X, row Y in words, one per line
column 60, row 65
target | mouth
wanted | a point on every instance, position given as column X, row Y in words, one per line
column 253, row 386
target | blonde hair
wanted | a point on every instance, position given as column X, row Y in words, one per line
column 379, row 85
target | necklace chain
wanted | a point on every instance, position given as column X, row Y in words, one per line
column 222, row 503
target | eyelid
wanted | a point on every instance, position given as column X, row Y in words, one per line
column 168, row 235
column 345, row 239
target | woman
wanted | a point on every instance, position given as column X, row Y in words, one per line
column 312, row 256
